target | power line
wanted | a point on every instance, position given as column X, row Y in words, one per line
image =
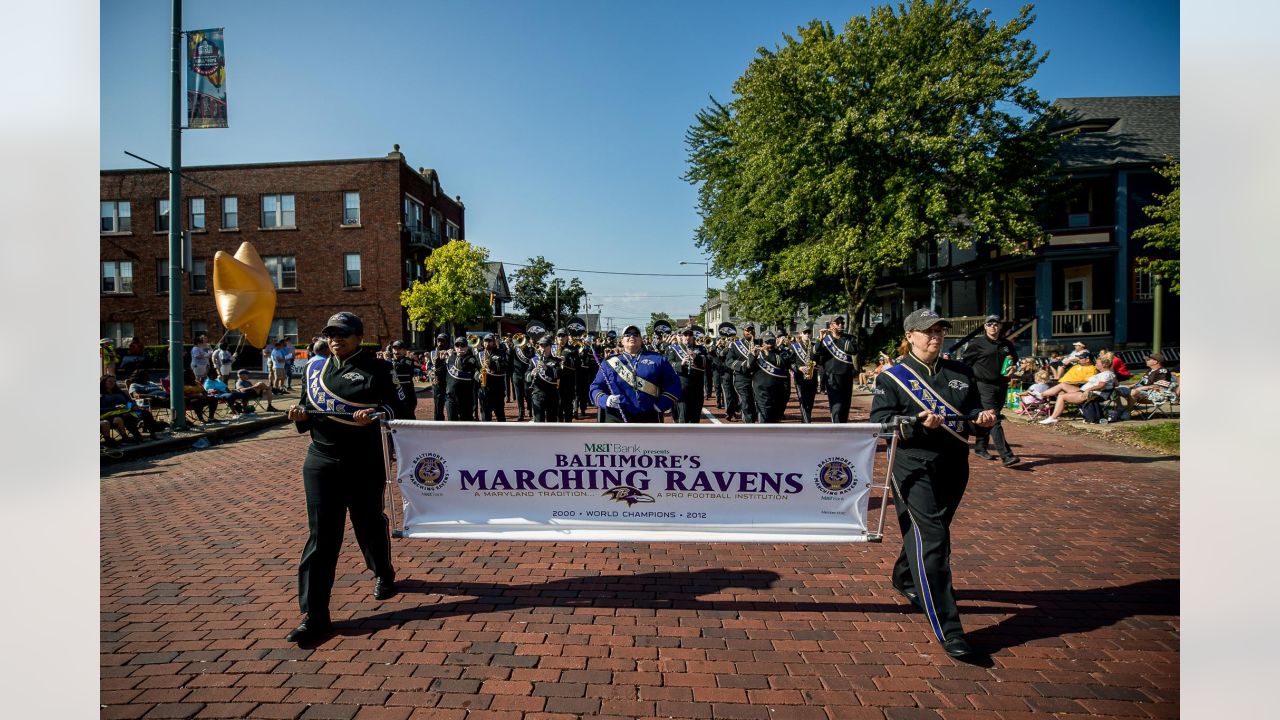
column 607, row 272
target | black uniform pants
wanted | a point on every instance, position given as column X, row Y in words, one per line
column 729, row 395
column 334, row 488
column 583, row 398
column 808, row 391
column 746, row 396
column 460, row 405
column 493, row 402
column 522, row 394
column 992, row 396
column 689, row 409
column 770, row 399
column 568, row 393
column 439, row 399
column 410, row 408
column 926, row 493
column 839, row 395
column 546, row 406
column 708, row 382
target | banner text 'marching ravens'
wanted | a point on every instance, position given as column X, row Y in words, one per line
column 675, row 473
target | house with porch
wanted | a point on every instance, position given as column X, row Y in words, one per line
column 1083, row 284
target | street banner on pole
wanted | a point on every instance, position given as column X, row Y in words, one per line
column 206, row 79
column 653, row 483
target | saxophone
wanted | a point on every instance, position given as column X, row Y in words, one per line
column 811, row 366
column 484, row 369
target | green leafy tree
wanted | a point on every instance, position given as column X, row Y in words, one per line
column 455, row 290
column 534, row 291
column 655, row 318
column 842, row 154
column 1163, row 236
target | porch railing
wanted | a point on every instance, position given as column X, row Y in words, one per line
column 962, row 325
column 1081, row 322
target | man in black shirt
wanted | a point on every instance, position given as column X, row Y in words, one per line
column 344, row 470
column 985, row 352
column 741, row 359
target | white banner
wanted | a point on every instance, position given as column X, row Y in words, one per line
column 614, row 482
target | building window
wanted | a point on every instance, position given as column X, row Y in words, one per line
column 116, row 217
column 277, row 211
column 162, row 332
column 286, row 328
column 283, row 270
column 162, row 276
column 162, row 215
column 451, row 231
column 230, row 213
column 412, row 213
column 351, row 270
column 197, row 214
column 1143, row 287
column 117, row 277
column 199, row 278
column 351, row 208
column 436, row 221
column 118, row 333
column 198, row 328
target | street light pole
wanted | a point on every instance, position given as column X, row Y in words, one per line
column 706, row 287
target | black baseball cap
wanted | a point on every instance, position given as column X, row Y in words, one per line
column 992, row 319
column 544, row 340
column 922, row 320
column 344, row 322
column 398, row 344
column 687, row 331
column 442, row 336
column 459, row 340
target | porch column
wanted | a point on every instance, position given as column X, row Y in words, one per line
column 1120, row 306
column 1044, row 300
column 994, row 297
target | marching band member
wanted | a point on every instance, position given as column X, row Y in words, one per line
column 742, row 361
column 805, row 373
column 568, row 373
column 492, row 381
column 403, row 365
column 343, row 472
column 520, row 357
column 544, row 379
column 769, row 384
column 437, row 368
column 636, row 384
column 835, row 352
column 930, row 468
column 460, row 393
column 690, row 363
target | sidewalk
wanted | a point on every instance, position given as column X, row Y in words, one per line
column 1066, row 568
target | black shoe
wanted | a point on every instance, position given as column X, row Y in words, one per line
column 982, row 453
column 383, row 588
column 1011, row 460
column 912, row 597
column 310, row 631
column 957, row 647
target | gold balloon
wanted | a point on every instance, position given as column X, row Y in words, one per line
column 244, row 293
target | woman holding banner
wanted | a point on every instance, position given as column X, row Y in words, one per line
column 930, row 468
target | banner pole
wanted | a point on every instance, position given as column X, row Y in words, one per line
column 892, row 428
column 389, row 496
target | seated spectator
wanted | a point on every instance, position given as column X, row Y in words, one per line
column 1079, row 371
column 1157, row 380
column 1032, row 397
column 141, row 388
column 116, row 411
column 196, row 397
column 215, row 387
column 107, row 355
column 1117, row 365
column 868, row 377
column 1100, row 384
column 1025, row 375
column 254, row 389
column 1078, row 352
column 1055, row 363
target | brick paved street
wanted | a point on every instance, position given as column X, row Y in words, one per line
column 1066, row 570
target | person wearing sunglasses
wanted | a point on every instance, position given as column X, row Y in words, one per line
column 344, row 470
column 984, row 350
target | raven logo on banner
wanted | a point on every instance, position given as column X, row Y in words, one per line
column 206, row 79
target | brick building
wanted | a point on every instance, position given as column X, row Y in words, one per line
column 335, row 235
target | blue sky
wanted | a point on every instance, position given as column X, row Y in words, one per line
column 560, row 123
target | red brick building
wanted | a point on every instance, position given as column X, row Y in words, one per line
column 335, row 235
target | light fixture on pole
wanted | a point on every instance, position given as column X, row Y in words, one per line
column 706, row 288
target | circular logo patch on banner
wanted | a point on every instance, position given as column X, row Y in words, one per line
column 429, row 472
column 835, row 476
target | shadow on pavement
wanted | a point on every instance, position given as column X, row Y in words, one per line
column 1089, row 458
column 1052, row 613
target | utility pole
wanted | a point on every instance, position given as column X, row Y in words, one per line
column 1157, row 296
column 176, row 400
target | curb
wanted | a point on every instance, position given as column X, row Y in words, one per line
column 188, row 438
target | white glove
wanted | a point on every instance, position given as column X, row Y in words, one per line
column 613, row 401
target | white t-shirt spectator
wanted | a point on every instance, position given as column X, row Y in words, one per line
column 281, row 357
column 1101, row 382
column 223, row 358
column 200, row 361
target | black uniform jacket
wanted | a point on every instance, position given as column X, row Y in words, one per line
column 830, row 364
column 360, row 381
column 951, row 381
